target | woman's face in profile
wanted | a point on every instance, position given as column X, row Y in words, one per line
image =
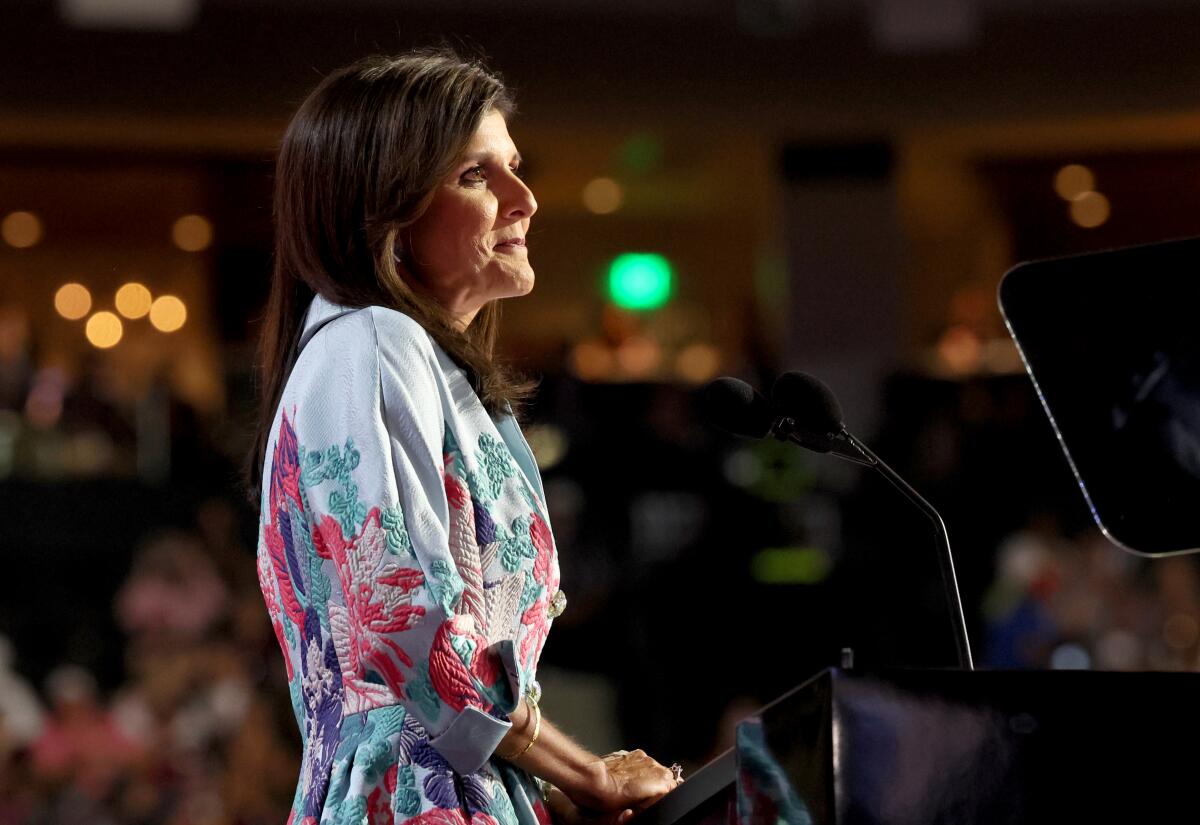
column 470, row 245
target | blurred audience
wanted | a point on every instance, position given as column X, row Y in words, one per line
column 197, row 732
column 1078, row 602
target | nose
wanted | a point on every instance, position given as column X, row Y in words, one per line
column 519, row 202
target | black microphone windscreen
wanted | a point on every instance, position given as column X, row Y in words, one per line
column 808, row 402
column 736, row 407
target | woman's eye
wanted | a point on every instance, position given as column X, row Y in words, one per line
column 518, row 171
column 474, row 175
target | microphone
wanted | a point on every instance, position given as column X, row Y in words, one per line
column 735, row 407
column 808, row 413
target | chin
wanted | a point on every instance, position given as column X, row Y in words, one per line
column 521, row 284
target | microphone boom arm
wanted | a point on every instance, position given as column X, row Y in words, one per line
column 945, row 557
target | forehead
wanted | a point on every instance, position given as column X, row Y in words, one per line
column 492, row 138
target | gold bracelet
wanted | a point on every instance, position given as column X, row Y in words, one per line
column 537, row 729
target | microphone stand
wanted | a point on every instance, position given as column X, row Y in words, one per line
column 844, row 445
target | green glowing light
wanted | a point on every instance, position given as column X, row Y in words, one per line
column 639, row 281
column 790, row 565
column 641, row 154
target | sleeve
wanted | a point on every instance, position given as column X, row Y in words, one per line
column 398, row 575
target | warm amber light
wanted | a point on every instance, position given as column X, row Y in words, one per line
column 959, row 349
column 192, row 233
column 167, row 313
column 104, row 330
column 1073, row 180
column 593, row 361
column 21, row 229
column 1181, row 631
column 698, row 362
column 1090, row 210
column 133, row 300
column 602, row 196
column 73, row 301
column 639, row 356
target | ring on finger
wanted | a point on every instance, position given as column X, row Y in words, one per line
column 677, row 771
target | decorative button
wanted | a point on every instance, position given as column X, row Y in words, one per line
column 533, row 691
column 557, row 604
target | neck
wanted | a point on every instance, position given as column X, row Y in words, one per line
column 463, row 320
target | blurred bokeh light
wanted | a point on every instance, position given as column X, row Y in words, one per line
column 73, row 301
column 21, row 229
column 192, row 233
column 104, row 330
column 168, row 313
column 133, row 300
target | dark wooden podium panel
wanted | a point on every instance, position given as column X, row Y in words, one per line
column 941, row 747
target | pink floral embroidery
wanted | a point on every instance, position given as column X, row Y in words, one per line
column 379, row 807
column 544, row 570
column 378, row 592
column 456, row 493
column 451, row 678
column 273, row 609
column 465, row 550
column 440, row 816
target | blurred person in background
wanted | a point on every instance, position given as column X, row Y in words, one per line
column 21, row 714
column 81, row 752
column 405, row 553
column 21, row 721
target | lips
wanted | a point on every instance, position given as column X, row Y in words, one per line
column 511, row 242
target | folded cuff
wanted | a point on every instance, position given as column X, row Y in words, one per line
column 470, row 740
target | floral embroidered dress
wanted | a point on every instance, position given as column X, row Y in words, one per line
column 407, row 564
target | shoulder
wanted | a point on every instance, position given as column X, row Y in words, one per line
column 404, row 349
column 369, row 335
column 395, row 331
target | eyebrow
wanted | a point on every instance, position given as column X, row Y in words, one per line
column 481, row 156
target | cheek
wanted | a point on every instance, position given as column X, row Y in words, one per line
column 461, row 235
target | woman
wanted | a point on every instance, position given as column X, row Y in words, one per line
column 405, row 554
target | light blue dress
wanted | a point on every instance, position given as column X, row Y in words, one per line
column 407, row 563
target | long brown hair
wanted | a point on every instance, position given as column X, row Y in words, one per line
column 359, row 162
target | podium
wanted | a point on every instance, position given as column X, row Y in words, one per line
column 940, row 747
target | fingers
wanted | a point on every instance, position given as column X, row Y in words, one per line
column 636, row 781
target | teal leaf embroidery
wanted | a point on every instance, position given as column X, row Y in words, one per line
column 464, row 647
column 451, row 448
column 496, row 463
column 336, row 465
column 353, row 809
column 530, row 498
column 289, row 633
column 389, row 720
column 339, row 779
column 420, row 690
column 502, row 807
column 532, row 592
column 517, row 545
column 406, row 800
column 446, row 584
column 396, row 530
column 352, row 731
column 374, row 756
